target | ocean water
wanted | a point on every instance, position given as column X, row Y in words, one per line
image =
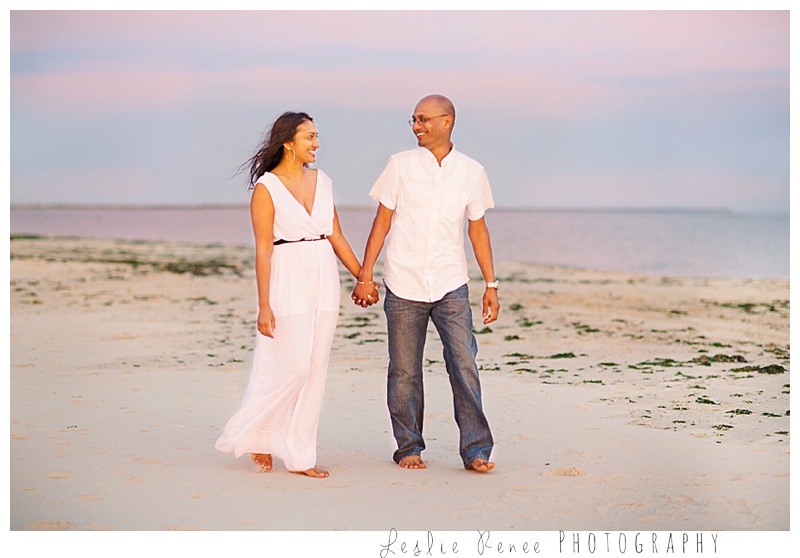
column 671, row 243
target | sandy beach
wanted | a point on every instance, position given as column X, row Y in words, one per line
column 617, row 401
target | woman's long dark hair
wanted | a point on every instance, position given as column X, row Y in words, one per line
column 271, row 150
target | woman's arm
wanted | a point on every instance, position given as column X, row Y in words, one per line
column 262, row 213
column 342, row 248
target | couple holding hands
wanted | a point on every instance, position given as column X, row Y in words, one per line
column 424, row 195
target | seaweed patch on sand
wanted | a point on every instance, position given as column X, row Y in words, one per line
column 709, row 357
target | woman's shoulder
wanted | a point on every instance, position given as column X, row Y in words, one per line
column 323, row 178
column 266, row 179
column 264, row 187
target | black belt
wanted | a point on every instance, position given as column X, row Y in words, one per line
column 306, row 239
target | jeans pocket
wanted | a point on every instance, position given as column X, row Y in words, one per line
column 461, row 293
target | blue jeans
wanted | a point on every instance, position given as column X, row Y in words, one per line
column 407, row 324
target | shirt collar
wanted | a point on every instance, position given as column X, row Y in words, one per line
column 432, row 158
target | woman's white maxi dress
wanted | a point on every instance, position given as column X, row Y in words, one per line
column 281, row 405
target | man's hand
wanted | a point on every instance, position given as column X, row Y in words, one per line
column 491, row 305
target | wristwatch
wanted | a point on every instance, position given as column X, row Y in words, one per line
column 493, row 284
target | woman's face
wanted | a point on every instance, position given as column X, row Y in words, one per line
column 305, row 142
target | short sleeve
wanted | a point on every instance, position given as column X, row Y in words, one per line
column 481, row 198
column 386, row 188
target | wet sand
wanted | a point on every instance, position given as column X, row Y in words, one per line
column 617, row 401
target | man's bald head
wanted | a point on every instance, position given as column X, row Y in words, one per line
column 443, row 104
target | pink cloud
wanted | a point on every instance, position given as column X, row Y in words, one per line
column 667, row 42
column 547, row 63
column 532, row 92
column 380, row 88
column 88, row 91
column 696, row 40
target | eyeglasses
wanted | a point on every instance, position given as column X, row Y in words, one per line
column 423, row 119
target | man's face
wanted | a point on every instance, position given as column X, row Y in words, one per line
column 432, row 126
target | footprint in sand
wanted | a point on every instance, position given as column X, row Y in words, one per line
column 586, row 454
column 60, row 475
column 617, row 505
column 519, row 488
column 49, row 526
column 565, row 472
column 100, row 527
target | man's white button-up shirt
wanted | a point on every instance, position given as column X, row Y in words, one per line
column 425, row 257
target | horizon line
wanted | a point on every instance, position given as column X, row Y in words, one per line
column 357, row 207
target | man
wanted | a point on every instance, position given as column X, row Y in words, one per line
column 424, row 196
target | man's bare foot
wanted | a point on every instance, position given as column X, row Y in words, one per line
column 481, row 465
column 412, row 462
column 263, row 460
column 314, row 472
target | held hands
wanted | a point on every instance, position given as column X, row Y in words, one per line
column 365, row 293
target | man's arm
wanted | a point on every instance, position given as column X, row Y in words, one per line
column 365, row 287
column 482, row 247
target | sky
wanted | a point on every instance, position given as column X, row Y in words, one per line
column 565, row 109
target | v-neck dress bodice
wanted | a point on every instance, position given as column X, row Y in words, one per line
column 292, row 221
column 280, row 409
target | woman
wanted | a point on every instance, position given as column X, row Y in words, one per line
column 297, row 240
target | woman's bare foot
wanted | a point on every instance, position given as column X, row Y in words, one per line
column 314, row 472
column 481, row 465
column 263, row 460
column 412, row 462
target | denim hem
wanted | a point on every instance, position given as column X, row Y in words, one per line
column 467, row 463
column 398, row 458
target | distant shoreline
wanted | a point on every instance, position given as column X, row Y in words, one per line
column 666, row 241
column 500, row 209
